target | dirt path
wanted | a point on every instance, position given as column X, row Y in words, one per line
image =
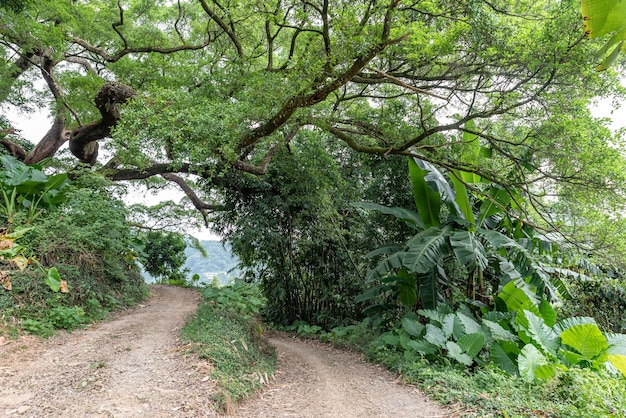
column 128, row 367
column 315, row 380
column 133, row 366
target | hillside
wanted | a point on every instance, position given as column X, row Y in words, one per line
column 219, row 263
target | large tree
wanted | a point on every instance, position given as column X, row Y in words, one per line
column 197, row 91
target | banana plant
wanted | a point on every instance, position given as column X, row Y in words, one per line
column 415, row 270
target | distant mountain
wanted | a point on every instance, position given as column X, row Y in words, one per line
column 219, row 263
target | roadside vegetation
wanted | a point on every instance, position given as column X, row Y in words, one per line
column 424, row 180
column 228, row 332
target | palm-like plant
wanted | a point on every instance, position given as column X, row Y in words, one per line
column 476, row 235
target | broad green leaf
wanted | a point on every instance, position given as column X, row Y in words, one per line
column 452, row 326
column 435, row 336
column 368, row 294
column 456, row 352
column 470, row 325
column 462, row 199
column 529, row 360
column 423, row 346
column 407, row 288
column 53, row 279
column 587, row 339
column 426, row 249
column 412, row 327
column 468, row 249
column 513, row 297
column 538, row 331
column 572, row 321
column 427, row 200
column 472, row 343
column 547, row 313
column 427, row 285
column 505, row 360
column 602, row 17
column 617, row 343
column 548, row 371
column 385, row 267
column 495, row 199
column 498, row 332
column 410, row 217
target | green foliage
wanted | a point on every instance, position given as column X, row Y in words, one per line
column 83, row 268
column 226, row 332
column 295, row 238
column 162, row 255
column 27, row 188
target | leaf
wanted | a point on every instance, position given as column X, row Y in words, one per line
column 428, row 289
column 538, row 331
column 452, row 326
column 386, row 266
column 619, row 361
column 572, row 321
column 529, row 360
column 426, row 249
column 407, row 288
column 504, row 359
column 53, row 279
column 408, row 216
column 496, row 199
column 603, row 17
column 20, row 262
column 472, row 343
column 422, row 346
column 427, row 200
column 63, row 287
column 469, row 251
column 548, row 371
column 456, row 352
column 617, row 343
column 498, row 332
column 513, row 297
column 547, row 313
column 462, row 198
column 5, row 280
column 587, row 339
column 412, row 327
column 435, row 336
column 470, row 325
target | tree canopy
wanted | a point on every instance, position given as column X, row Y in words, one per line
column 198, row 92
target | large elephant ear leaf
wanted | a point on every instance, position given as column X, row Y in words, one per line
column 586, row 339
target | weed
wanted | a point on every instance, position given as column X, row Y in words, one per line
column 226, row 333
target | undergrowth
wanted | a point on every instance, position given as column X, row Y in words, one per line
column 227, row 332
column 485, row 391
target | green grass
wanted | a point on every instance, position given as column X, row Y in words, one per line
column 234, row 342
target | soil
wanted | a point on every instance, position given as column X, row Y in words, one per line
column 135, row 366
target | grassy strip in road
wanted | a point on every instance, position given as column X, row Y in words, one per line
column 227, row 332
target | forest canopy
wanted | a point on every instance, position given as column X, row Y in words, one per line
column 203, row 94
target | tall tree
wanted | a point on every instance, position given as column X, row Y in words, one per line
column 198, row 91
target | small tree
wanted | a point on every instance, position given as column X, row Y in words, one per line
column 164, row 255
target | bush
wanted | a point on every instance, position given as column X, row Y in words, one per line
column 88, row 240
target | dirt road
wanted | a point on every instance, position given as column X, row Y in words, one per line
column 133, row 366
